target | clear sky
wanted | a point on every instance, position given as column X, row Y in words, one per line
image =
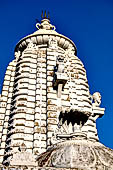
column 89, row 23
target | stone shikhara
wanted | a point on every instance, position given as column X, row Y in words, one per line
column 48, row 116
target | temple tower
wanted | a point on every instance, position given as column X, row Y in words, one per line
column 48, row 116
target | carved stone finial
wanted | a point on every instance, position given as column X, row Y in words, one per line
column 45, row 15
column 45, row 22
column 42, row 14
column 48, row 16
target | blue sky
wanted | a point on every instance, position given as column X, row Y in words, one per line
column 89, row 23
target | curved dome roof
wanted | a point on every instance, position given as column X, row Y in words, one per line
column 45, row 29
column 81, row 154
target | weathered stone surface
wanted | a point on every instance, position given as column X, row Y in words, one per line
column 47, row 114
column 77, row 154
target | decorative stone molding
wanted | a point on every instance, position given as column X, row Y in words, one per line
column 23, row 158
column 45, row 24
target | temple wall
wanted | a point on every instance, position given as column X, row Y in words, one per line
column 33, row 102
column 75, row 94
column 24, row 99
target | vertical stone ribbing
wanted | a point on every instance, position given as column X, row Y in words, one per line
column 20, row 100
column 31, row 56
column 16, row 122
column 51, row 94
column 6, row 106
column 39, row 138
column 79, row 96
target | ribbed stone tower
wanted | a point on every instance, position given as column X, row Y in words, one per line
column 48, row 116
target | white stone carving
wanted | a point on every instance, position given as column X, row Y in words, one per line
column 69, row 52
column 53, row 43
column 45, row 24
column 97, row 99
column 46, row 103
column 31, row 45
column 17, row 54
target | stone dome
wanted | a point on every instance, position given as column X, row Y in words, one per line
column 80, row 154
column 43, row 34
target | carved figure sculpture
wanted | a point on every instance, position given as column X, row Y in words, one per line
column 97, row 99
